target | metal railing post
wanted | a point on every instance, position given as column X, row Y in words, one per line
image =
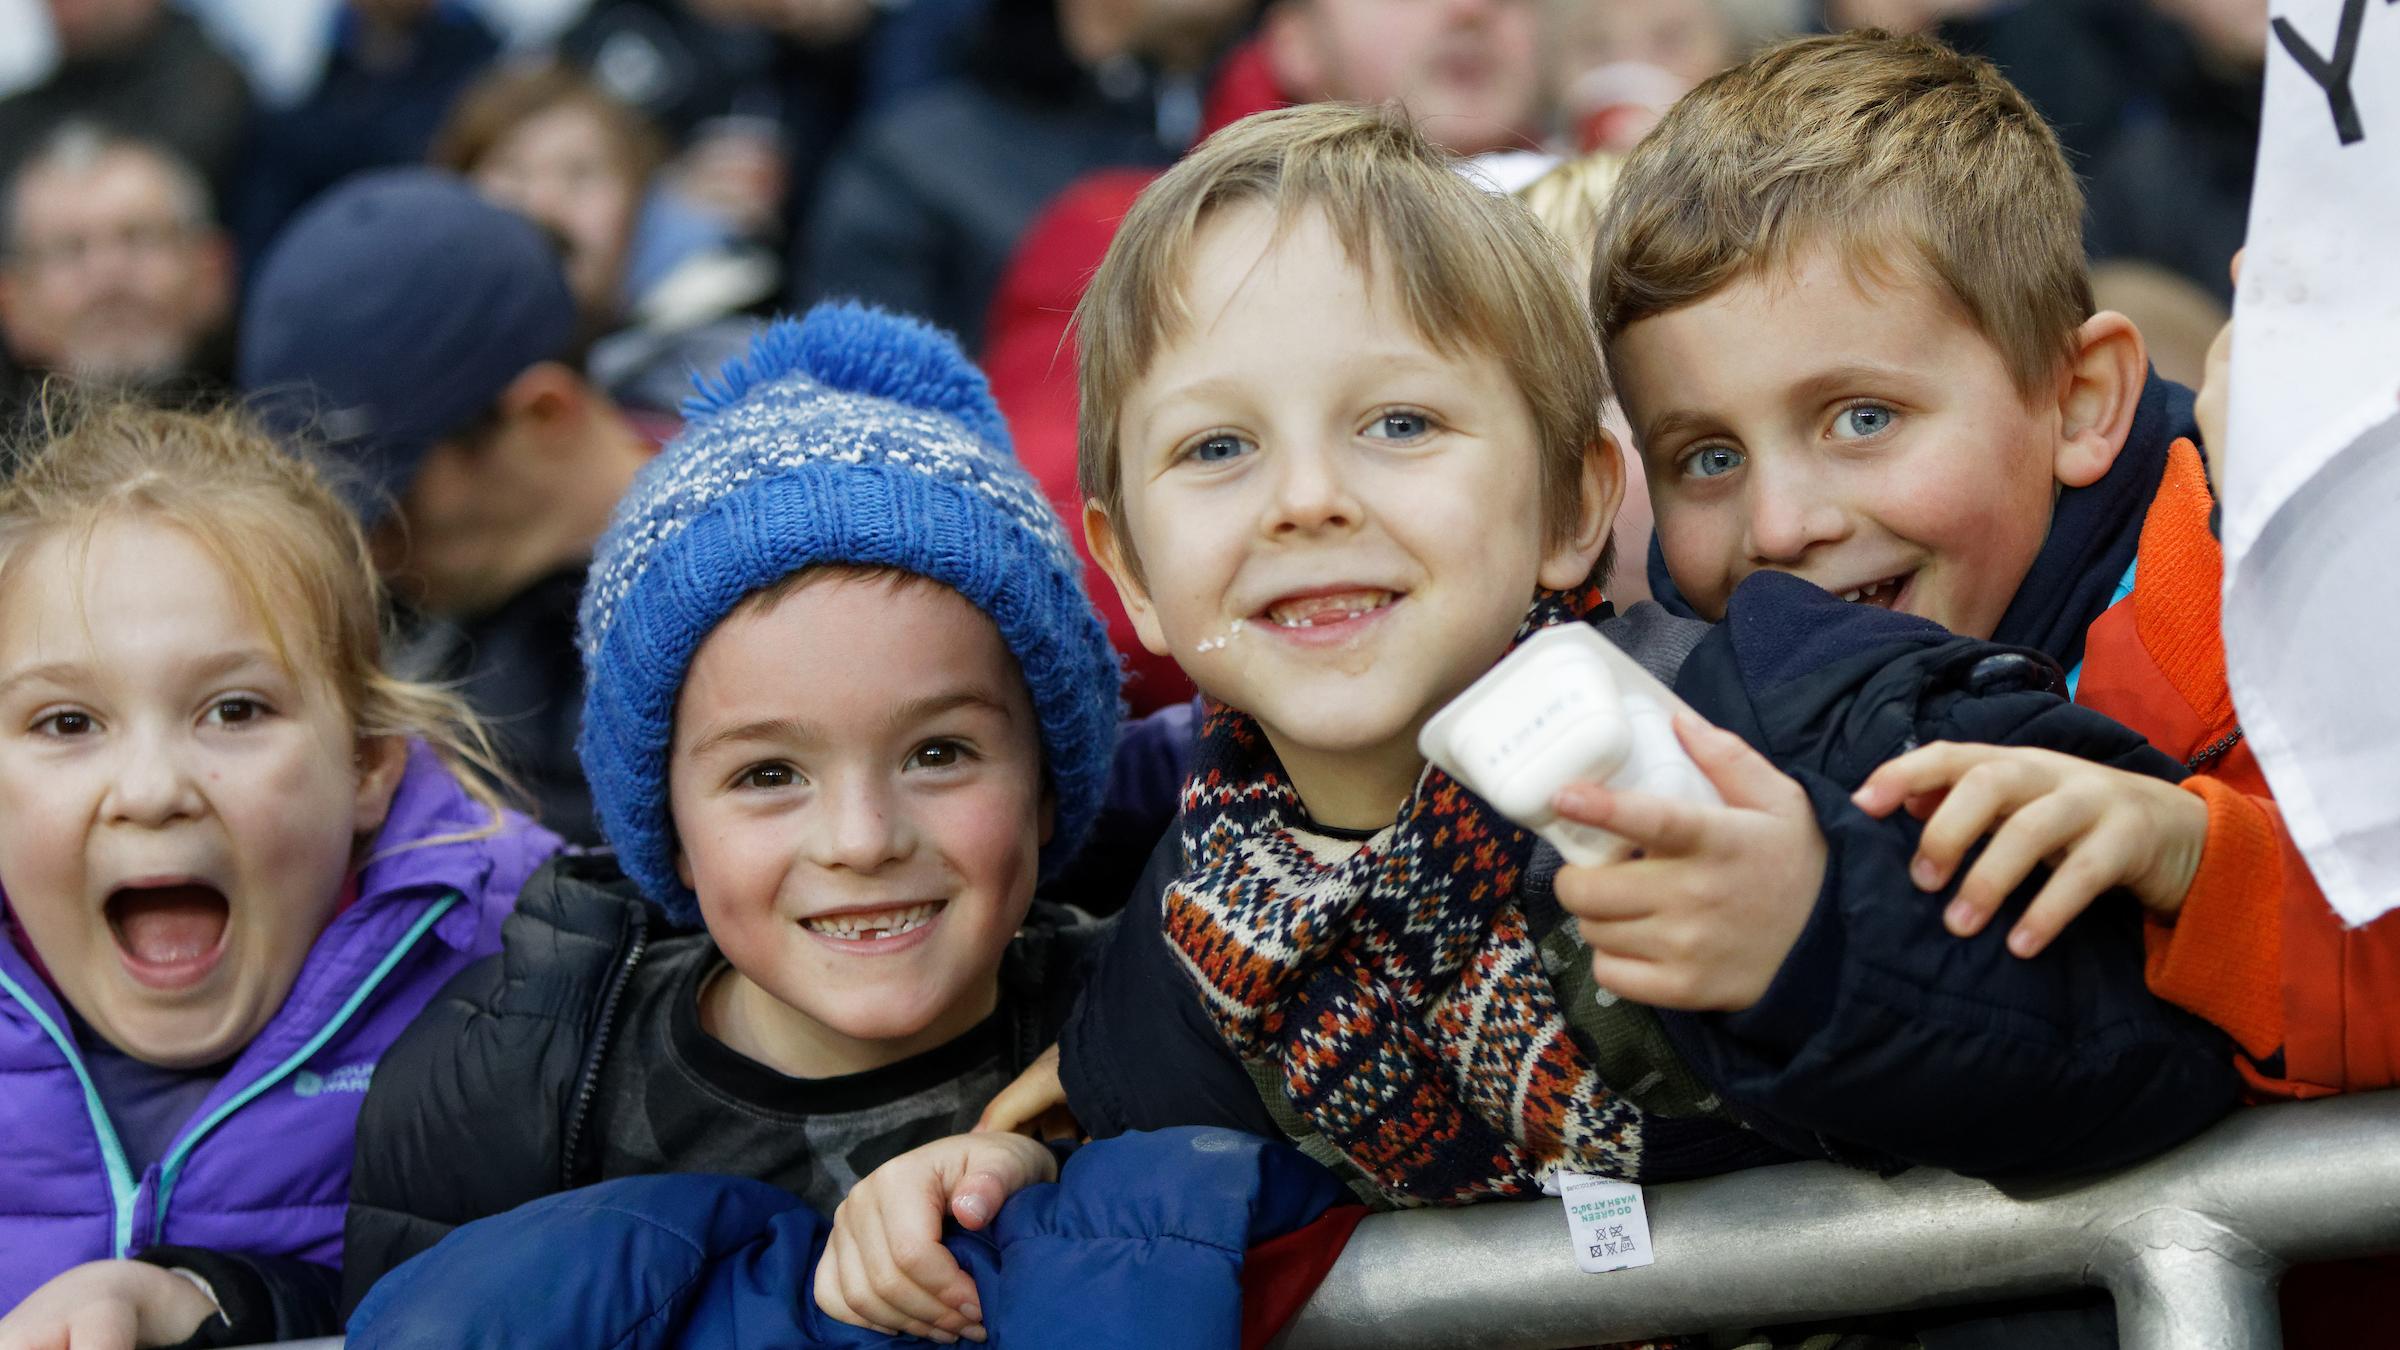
column 2191, row 1244
column 2182, row 1281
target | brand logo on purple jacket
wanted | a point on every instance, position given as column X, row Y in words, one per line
column 348, row 1078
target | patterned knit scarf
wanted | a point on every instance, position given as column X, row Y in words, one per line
column 1399, row 993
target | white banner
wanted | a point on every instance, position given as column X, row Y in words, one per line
column 2312, row 475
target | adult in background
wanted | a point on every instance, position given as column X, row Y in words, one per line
column 2174, row 188
column 754, row 94
column 394, row 69
column 139, row 67
column 428, row 336
column 919, row 209
column 662, row 282
column 115, row 272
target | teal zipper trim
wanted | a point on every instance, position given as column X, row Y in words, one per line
column 2124, row 588
column 182, row 1152
column 120, row 1175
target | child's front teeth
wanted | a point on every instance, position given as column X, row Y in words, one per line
column 1874, row 591
column 1328, row 609
column 865, row 927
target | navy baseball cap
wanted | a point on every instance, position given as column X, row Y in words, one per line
column 391, row 313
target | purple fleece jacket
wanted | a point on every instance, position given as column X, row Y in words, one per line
column 263, row 1167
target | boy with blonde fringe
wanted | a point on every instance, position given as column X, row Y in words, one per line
column 1843, row 294
column 1342, row 449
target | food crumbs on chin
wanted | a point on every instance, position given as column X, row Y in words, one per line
column 1219, row 642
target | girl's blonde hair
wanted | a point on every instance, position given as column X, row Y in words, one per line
column 293, row 552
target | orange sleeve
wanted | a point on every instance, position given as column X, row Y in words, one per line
column 2222, row 958
column 2257, row 951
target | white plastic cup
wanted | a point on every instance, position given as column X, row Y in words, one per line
column 1547, row 716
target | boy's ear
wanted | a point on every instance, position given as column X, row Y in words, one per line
column 2097, row 398
column 683, row 868
column 1112, row 553
column 381, row 760
column 546, row 396
column 1569, row 561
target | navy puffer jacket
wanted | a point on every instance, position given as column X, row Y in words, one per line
column 1884, row 1039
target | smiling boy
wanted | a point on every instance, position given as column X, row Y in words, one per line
column 1843, row 294
column 1341, row 446
column 846, row 704
column 1383, row 542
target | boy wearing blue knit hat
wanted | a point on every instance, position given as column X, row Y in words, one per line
column 846, row 703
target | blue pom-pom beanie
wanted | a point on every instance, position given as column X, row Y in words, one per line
column 848, row 436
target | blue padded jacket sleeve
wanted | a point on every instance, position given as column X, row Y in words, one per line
column 1141, row 1239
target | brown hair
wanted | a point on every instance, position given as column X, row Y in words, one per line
column 1897, row 152
column 293, row 552
column 1472, row 269
column 500, row 102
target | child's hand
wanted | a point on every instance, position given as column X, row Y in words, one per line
column 885, row 1267
column 2097, row 827
column 1702, row 918
column 1034, row 1104
column 107, row 1305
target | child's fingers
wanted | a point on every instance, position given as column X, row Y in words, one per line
column 977, row 1198
column 917, row 1274
column 895, row 1274
column 1652, row 983
column 1617, row 891
column 1027, row 1098
column 833, row 1263
column 1649, row 822
column 1629, row 924
column 994, row 1166
column 1741, row 775
column 2096, row 866
column 1926, row 771
column 1983, row 796
column 892, row 1300
column 847, row 1294
column 2046, row 829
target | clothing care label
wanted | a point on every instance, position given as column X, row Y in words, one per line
column 2311, row 482
column 1605, row 1218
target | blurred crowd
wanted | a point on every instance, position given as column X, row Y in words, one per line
column 700, row 159
column 190, row 211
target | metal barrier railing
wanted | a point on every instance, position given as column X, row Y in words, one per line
column 2190, row 1244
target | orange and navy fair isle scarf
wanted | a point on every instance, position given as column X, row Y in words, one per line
column 1399, row 992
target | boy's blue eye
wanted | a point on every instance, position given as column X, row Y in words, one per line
column 1216, row 449
column 1864, row 420
column 1712, row 462
column 1399, row 425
